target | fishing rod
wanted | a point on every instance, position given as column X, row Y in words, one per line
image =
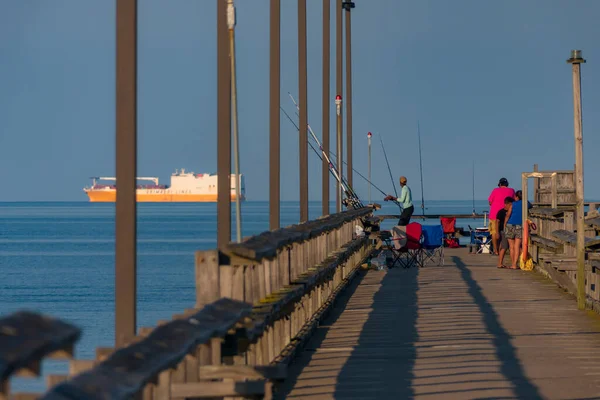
column 332, row 168
column 421, row 169
column 389, row 170
column 473, row 187
column 333, row 155
column 350, row 193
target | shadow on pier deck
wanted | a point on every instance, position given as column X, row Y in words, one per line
column 464, row 330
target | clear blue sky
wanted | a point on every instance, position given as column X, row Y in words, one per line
column 487, row 80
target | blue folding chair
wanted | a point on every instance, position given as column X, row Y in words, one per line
column 481, row 241
column 433, row 245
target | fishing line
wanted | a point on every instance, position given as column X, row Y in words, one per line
column 333, row 155
column 388, row 165
column 421, row 170
column 350, row 193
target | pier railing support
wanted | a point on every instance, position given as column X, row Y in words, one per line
column 274, row 123
column 348, row 6
column 338, row 92
column 576, row 60
column 303, row 101
column 326, row 102
column 126, row 171
column 223, row 128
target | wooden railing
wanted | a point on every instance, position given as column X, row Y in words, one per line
column 290, row 275
column 257, row 303
column 554, row 249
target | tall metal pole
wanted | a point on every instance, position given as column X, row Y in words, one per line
column 338, row 91
column 326, row 102
column 302, row 94
column 126, row 171
column 223, row 129
column 348, row 5
column 236, row 150
column 369, row 135
column 274, row 123
column 576, row 60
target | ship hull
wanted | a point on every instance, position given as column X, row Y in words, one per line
column 106, row 196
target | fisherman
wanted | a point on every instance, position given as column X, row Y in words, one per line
column 405, row 201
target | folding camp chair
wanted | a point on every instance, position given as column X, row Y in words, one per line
column 433, row 245
column 411, row 253
column 481, row 240
column 449, row 226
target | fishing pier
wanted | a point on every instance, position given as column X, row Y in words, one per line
column 298, row 312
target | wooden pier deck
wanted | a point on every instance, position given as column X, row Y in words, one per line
column 464, row 330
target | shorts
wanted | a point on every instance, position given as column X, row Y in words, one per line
column 493, row 226
column 503, row 241
column 514, row 231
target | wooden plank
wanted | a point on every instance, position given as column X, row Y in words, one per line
column 27, row 337
column 547, row 212
column 266, row 244
column 239, row 372
column 571, row 238
column 546, row 243
column 207, row 277
column 128, row 369
column 218, row 389
column 594, row 222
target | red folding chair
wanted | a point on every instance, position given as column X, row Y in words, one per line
column 449, row 225
column 412, row 252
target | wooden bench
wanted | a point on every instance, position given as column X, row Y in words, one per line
column 126, row 371
column 266, row 244
column 570, row 238
column 26, row 338
column 547, row 212
column 547, row 244
column 593, row 222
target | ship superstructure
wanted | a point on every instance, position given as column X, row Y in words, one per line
column 184, row 187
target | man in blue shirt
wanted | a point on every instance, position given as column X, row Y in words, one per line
column 405, row 201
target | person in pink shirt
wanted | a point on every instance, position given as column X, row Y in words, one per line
column 496, row 200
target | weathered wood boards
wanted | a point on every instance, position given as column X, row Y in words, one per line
column 570, row 238
column 266, row 244
column 257, row 304
column 127, row 370
column 26, row 338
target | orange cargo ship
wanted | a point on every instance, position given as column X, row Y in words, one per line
column 185, row 187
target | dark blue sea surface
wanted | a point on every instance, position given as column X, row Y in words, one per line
column 58, row 258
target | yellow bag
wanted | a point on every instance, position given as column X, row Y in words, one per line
column 526, row 265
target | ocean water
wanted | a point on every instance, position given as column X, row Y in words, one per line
column 58, row 258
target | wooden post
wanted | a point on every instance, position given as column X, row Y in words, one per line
column 303, row 117
column 274, row 122
column 554, row 190
column 348, row 5
column 326, row 103
column 524, row 199
column 536, row 186
column 576, row 60
column 223, row 128
column 126, row 164
column 338, row 92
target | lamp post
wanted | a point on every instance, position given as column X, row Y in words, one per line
column 338, row 91
column 369, row 135
column 340, row 150
column 347, row 6
column 576, row 60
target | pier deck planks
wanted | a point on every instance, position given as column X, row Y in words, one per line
column 463, row 330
